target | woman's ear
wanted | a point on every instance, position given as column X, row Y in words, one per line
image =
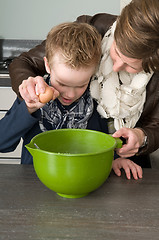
column 47, row 65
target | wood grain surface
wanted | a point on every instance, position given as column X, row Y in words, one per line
column 120, row 209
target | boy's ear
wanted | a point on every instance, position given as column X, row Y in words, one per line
column 47, row 65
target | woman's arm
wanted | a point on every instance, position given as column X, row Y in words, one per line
column 149, row 120
column 28, row 64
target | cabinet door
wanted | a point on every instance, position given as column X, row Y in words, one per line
column 7, row 97
column 11, row 157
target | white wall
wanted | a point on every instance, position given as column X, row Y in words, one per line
column 123, row 3
column 32, row 19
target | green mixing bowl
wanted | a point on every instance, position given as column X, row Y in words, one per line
column 73, row 162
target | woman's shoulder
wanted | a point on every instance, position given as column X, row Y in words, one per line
column 101, row 21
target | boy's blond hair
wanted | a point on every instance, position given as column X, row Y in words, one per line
column 78, row 43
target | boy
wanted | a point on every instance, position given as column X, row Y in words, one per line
column 73, row 52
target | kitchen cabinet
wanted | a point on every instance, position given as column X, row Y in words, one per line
column 7, row 97
column 9, row 49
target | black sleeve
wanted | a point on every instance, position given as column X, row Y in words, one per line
column 97, row 122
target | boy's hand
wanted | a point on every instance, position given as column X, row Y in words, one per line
column 134, row 139
column 128, row 166
column 30, row 90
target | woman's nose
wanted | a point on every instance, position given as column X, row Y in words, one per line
column 118, row 65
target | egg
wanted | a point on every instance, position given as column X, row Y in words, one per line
column 46, row 96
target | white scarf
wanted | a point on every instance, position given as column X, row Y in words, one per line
column 122, row 102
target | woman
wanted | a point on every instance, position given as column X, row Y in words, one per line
column 130, row 54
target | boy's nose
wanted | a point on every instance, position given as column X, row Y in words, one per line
column 70, row 93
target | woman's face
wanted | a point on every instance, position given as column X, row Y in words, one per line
column 123, row 63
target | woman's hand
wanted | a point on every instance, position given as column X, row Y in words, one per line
column 30, row 90
column 134, row 139
column 128, row 166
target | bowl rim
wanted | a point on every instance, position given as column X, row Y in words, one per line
column 71, row 154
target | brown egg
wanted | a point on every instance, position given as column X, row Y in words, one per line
column 46, row 96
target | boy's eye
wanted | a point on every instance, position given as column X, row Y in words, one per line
column 82, row 86
column 62, row 85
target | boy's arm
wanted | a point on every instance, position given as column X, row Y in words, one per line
column 15, row 124
column 34, row 95
column 128, row 166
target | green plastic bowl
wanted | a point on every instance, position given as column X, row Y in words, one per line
column 73, row 162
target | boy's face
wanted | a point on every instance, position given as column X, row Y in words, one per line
column 70, row 83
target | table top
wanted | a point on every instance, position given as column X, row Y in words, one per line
column 120, row 209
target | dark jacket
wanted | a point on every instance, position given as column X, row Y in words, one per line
column 31, row 64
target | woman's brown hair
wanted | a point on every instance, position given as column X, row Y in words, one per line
column 137, row 32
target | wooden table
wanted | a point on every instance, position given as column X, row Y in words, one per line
column 120, row 210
